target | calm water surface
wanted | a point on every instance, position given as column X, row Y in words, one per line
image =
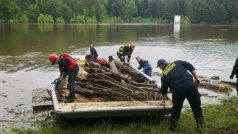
column 24, row 49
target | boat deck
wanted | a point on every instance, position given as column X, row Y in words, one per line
column 110, row 104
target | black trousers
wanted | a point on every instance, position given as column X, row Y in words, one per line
column 121, row 57
column 189, row 91
column 72, row 78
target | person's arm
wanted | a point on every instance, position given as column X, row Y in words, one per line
column 164, row 90
column 197, row 80
column 140, row 65
column 190, row 67
column 96, row 53
column 91, row 51
column 64, row 68
column 128, row 58
column 129, row 53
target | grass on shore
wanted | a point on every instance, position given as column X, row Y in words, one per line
column 219, row 119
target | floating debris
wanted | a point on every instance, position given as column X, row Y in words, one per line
column 215, row 85
column 3, row 95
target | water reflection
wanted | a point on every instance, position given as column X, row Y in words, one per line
column 46, row 28
column 176, row 31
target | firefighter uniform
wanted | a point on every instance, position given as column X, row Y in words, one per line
column 124, row 51
column 68, row 67
column 182, row 85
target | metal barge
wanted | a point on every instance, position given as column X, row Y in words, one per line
column 85, row 108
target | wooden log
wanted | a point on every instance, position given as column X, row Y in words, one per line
column 216, row 86
column 142, row 84
column 113, row 67
column 96, row 67
column 128, row 70
column 103, row 81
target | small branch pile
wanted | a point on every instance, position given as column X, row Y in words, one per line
column 101, row 81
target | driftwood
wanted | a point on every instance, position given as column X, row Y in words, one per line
column 102, row 81
column 216, row 86
column 213, row 84
column 125, row 68
column 96, row 67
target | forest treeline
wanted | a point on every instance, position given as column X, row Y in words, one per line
column 114, row 11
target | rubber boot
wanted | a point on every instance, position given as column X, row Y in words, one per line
column 70, row 98
column 199, row 122
column 173, row 124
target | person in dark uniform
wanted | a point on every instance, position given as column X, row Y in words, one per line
column 68, row 67
column 235, row 72
column 147, row 69
column 125, row 51
column 93, row 52
column 175, row 76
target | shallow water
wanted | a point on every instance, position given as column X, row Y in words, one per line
column 24, row 49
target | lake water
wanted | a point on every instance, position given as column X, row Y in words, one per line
column 24, row 50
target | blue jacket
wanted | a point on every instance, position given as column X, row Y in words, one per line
column 144, row 64
column 175, row 74
column 93, row 52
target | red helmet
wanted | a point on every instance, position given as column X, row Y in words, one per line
column 53, row 58
column 132, row 45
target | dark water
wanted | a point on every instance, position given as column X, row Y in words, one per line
column 24, row 49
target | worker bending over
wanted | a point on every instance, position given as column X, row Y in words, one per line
column 67, row 67
column 182, row 85
column 125, row 51
column 147, row 69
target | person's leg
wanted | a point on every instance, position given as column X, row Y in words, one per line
column 122, row 58
column 195, row 103
column 177, row 105
column 176, row 110
column 148, row 71
column 71, row 85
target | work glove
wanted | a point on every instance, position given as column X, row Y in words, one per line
column 231, row 77
column 56, row 81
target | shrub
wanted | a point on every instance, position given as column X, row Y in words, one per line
column 60, row 20
column 45, row 19
column 186, row 20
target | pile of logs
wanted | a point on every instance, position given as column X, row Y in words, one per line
column 124, row 84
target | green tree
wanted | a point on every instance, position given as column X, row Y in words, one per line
column 142, row 8
column 14, row 12
column 33, row 12
column 130, row 10
column 233, row 20
column 49, row 7
column 65, row 12
column 116, row 7
column 188, row 8
column 91, row 11
column 102, row 13
column 85, row 14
